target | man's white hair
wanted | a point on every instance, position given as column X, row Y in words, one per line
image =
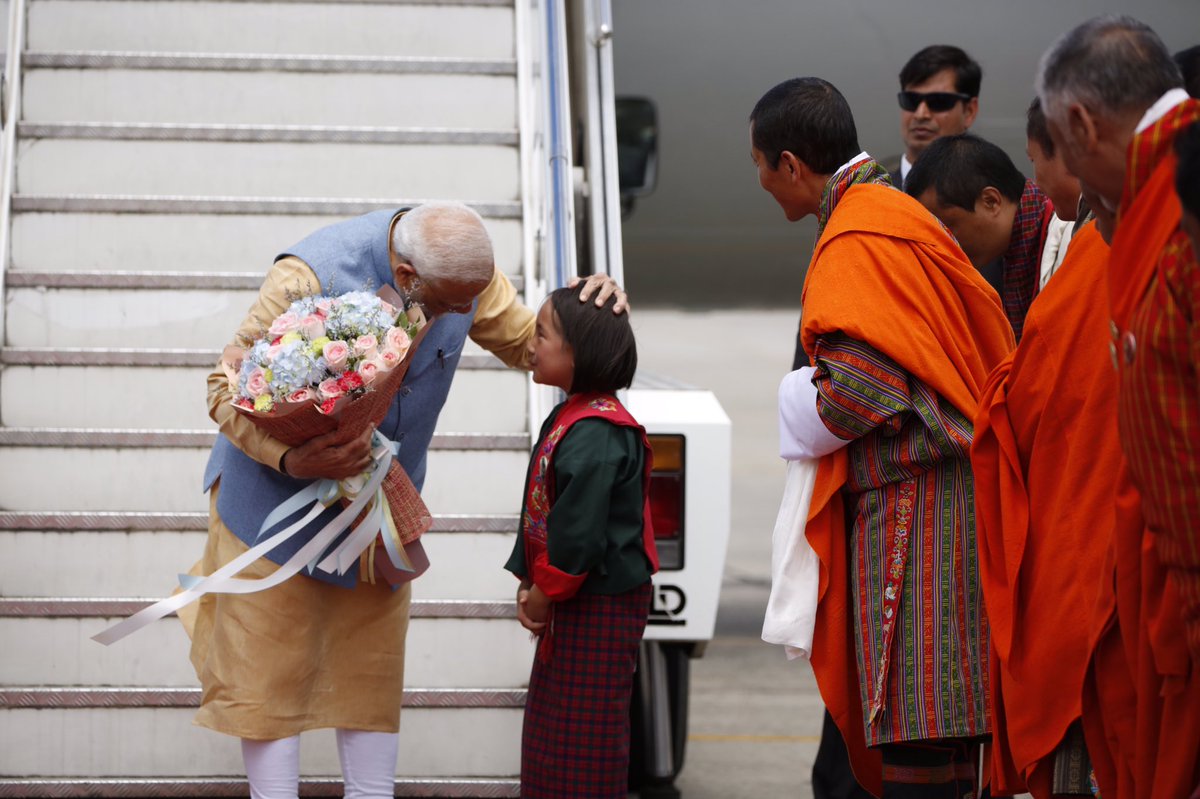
column 1113, row 65
column 445, row 241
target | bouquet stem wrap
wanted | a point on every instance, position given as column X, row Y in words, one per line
column 322, row 494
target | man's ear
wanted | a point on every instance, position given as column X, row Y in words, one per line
column 989, row 202
column 795, row 168
column 1083, row 127
column 403, row 270
column 970, row 111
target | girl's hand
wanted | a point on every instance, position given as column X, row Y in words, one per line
column 534, row 626
column 537, row 605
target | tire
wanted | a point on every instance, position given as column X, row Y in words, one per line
column 659, row 718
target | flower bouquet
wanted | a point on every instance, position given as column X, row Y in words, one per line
column 326, row 364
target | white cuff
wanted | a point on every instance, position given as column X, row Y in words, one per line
column 802, row 433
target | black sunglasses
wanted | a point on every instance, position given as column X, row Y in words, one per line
column 937, row 101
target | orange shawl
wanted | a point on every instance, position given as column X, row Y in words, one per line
column 886, row 273
column 1046, row 457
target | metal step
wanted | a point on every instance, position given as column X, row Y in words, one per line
column 154, row 439
column 465, row 564
column 151, row 244
column 45, row 393
column 73, row 521
column 370, row 29
column 464, row 645
column 50, row 743
column 343, row 134
column 159, row 358
column 51, row 167
column 259, row 62
column 167, row 479
column 480, row 101
column 184, row 787
column 103, row 607
column 41, row 697
column 308, row 206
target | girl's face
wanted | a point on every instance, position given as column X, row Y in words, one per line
column 552, row 359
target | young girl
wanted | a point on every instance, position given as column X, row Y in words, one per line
column 584, row 554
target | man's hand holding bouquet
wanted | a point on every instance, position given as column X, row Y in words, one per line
column 320, row 380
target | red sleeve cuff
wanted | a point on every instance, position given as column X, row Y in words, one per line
column 555, row 583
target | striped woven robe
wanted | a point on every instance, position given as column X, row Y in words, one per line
column 919, row 619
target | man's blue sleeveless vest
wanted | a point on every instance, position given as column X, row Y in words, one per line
column 346, row 256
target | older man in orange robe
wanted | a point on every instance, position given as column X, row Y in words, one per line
column 1114, row 100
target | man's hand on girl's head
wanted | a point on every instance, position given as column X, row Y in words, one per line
column 606, row 287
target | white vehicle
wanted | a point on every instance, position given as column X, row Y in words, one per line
column 156, row 155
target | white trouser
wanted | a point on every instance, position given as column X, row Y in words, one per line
column 368, row 765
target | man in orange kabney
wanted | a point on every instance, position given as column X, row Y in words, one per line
column 1114, row 102
column 901, row 332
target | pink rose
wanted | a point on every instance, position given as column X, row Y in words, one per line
column 389, row 359
column 397, row 341
column 303, row 395
column 273, row 351
column 369, row 371
column 312, row 326
column 365, row 346
column 329, row 389
column 256, row 383
column 336, row 354
column 324, row 305
column 284, row 324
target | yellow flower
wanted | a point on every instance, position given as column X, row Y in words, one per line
column 268, row 375
column 288, row 338
column 263, row 402
column 318, row 345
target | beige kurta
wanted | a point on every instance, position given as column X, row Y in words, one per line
column 307, row 654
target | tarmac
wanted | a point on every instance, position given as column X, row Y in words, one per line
column 755, row 716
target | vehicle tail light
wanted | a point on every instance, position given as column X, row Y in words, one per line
column 667, row 497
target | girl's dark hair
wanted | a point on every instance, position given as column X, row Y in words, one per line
column 603, row 343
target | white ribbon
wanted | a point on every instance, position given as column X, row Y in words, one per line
column 223, row 580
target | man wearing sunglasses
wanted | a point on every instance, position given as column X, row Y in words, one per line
column 939, row 97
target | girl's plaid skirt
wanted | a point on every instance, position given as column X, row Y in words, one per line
column 575, row 743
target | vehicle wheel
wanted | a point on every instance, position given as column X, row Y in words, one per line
column 659, row 719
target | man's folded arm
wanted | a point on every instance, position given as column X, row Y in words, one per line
column 852, row 391
column 802, row 433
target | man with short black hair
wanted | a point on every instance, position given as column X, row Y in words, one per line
column 1115, row 103
column 939, row 96
column 991, row 208
column 900, row 332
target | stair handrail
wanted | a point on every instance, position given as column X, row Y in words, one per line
column 549, row 194
column 8, row 142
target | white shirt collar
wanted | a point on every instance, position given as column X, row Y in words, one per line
column 856, row 159
column 905, row 166
column 1159, row 110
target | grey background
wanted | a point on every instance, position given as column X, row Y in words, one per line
column 709, row 236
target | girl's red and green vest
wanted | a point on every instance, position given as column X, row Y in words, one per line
column 585, row 524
